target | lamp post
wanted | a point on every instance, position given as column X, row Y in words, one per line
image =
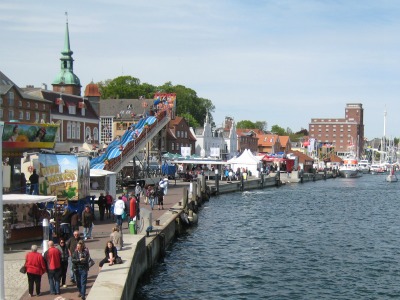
column 121, row 148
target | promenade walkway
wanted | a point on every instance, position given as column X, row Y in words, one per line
column 16, row 284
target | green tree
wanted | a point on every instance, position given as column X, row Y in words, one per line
column 187, row 101
column 246, row 124
column 125, row 87
column 191, row 120
column 276, row 129
column 262, row 125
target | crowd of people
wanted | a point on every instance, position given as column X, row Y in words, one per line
column 68, row 253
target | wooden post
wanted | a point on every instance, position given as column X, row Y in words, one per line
column 185, row 197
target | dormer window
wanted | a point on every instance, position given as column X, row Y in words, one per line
column 71, row 108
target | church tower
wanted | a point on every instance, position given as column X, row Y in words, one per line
column 66, row 81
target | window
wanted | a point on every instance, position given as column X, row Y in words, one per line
column 60, row 108
column 78, row 130
column 73, row 128
column 178, row 133
column 1, row 101
column 172, row 146
column 58, row 135
column 88, row 134
column 72, row 109
column 19, row 103
column 10, row 114
column 28, row 104
column 36, row 117
column 11, row 98
column 69, row 130
column 36, row 106
column 44, row 117
column 185, row 134
column 28, row 115
column 177, row 146
column 44, row 106
column 83, row 111
column 21, row 114
column 95, row 134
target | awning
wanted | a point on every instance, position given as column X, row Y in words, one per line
column 26, row 199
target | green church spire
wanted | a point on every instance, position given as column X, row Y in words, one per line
column 66, row 75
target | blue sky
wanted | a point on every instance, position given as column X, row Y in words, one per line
column 283, row 62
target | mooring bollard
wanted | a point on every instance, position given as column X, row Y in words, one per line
column 158, row 222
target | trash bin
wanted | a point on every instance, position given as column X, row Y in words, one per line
column 132, row 227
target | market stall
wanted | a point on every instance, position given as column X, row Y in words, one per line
column 23, row 216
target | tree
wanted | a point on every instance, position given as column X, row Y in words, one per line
column 191, row 120
column 278, row 130
column 262, row 125
column 187, row 102
column 245, row 124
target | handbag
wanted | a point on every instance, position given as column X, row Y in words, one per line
column 91, row 262
column 118, row 260
column 23, row 269
column 123, row 216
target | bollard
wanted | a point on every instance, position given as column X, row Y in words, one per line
column 180, row 203
column 158, row 222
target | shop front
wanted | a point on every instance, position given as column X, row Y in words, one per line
column 23, row 216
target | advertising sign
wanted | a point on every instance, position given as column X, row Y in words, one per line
column 29, row 135
column 64, row 175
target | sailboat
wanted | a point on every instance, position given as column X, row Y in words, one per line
column 392, row 176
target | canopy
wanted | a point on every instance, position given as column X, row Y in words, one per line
column 245, row 160
column 100, row 173
column 26, row 199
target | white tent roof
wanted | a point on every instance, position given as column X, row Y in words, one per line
column 26, row 199
column 246, row 158
column 100, row 173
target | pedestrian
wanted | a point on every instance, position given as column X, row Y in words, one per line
column 109, row 202
column 80, row 262
column 34, row 180
column 87, row 223
column 74, row 221
column 62, row 246
column 116, row 238
column 138, row 191
column 35, row 268
column 119, row 209
column 53, row 263
column 23, row 184
column 111, row 254
column 160, row 198
column 102, row 202
column 65, row 224
column 52, row 228
column 71, row 245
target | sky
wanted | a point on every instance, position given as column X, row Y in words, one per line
column 279, row 61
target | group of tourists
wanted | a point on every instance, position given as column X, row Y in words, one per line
column 69, row 255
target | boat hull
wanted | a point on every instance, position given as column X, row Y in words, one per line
column 350, row 173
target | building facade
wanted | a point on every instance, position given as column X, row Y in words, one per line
column 345, row 135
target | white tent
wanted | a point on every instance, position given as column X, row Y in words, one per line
column 245, row 160
column 102, row 181
column 26, row 199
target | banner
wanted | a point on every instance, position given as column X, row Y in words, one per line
column 29, row 135
column 64, row 175
column 185, row 151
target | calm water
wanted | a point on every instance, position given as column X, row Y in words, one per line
column 334, row 239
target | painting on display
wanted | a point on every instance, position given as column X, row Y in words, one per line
column 64, row 175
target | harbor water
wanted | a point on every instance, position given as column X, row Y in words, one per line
column 333, row 239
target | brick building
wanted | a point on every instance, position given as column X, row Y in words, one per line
column 341, row 133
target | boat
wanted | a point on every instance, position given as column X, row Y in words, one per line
column 377, row 169
column 364, row 166
column 392, row 176
column 349, row 168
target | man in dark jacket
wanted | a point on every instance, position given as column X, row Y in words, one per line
column 87, row 222
column 71, row 244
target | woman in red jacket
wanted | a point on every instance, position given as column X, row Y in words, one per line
column 35, row 268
